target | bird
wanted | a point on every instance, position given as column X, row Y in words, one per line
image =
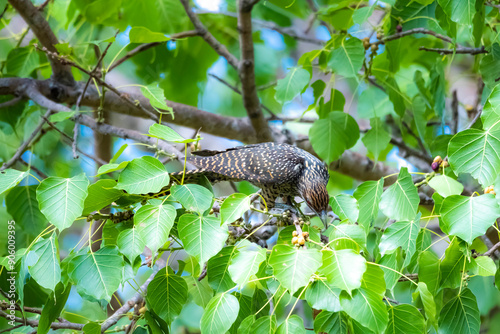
column 280, row 170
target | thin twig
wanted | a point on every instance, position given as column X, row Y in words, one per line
column 454, row 111
column 411, row 151
column 25, row 145
column 411, row 32
column 11, row 103
column 208, row 37
column 492, row 250
column 461, row 50
column 38, row 171
column 417, row 138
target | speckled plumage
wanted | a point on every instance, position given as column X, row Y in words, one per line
column 280, row 170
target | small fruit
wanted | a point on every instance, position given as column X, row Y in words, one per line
column 438, row 159
column 435, row 166
column 301, row 240
column 294, row 233
column 445, row 164
column 374, row 47
column 305, row 235
column 469, row 108
column 142, row 310
column 399, row 28
column 295, row 240
column 490, row 190
column 366, row 43
column 379, row 36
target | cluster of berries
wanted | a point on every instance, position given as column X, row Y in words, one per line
column 439, row 162
column 299, row 239
column 490, row 190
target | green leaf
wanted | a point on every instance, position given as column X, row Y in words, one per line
column 203, row 237
column 246, row 262
column 220, row 313
column 362, row 14
column 427, row 300
column 109, row 168
column 164, row 132
column 477, row 152
column 348, row 236
column 368, row 195
column 331, row 136
column 366, row 307
column 321, row 295
column 61, row 116
column 61, row 200
column 343, row 268
column 428, row 270
column 393, row 260
column 347, row 58
column 345, row 206
column 193, row 197
column 491, row 110
column 97, row 274
column 9, row 178
column 331, row 323
column 156, row 97
column 401, row 234
column 143, row 175
column 405, row 319
column 131, row 243
column 446, row 186
column 293, row 267
column 377, row 138
column 23, row 206
column 154, row 223
column 53, row 307
column 488, row 66
column 21, row 61
column 92, row 328
column 167, row 294
column 485, row 266
column 292, row 84
column 264, row 325
column 460, row 315
column 460, row 11
column 469, row 217
column 292, row 325
column 233, row 207
column 200, row 291
column 374, row 103
column 144, row 35
column 44, row 266
column 101, row 194
column 400, row 201
column 453, row 265
column 218, row 270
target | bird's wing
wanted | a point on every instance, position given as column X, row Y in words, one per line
column 255, row 163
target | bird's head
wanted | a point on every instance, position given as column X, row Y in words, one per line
column 313, row 188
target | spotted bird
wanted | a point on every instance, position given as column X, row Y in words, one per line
column 280, row 170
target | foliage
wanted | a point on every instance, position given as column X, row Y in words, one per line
column 376, row 267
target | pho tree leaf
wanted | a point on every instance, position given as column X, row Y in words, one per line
column 144, row 35
column 460, row 315
column 343, row 268
column 400, row 201
column 292, row 85
column 446, row 186
column 101, row 194
column 97, row 274
column 143, row 175
column 9, row 178
column 345, row 206
column 377, row 138
column 347, row 58
column 292, row 325
column 293, row 267
column 153, row 224
column 331, row 136
column 193, row 197
column 246, row 262
column 131, row 243
column 234, row 207
column 46, row 269
column 167, row 294
column 368, row 195
column 405, row 319
column 220, row 313
column 203, row 237
column 166, row 133
column 61, row 200
column 401, row 234
column 469, row 217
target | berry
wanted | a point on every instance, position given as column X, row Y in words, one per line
column 374, row 47
column 438, row 159
column 294, row 233
column 435, row 166
column 445, row 164
column 379, row 36
column 469, row 108
column 295, row 240
column 399, row 28
column 301, row 240
column 142, row 310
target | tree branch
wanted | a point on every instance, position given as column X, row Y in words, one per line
column 208, row 37
column 45, row 35
column 246, row 71
column 11, row 103
column 34, row 323
column 411, row 32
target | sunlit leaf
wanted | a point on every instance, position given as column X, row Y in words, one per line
column 400, row 201
column 220, row 314
column 290, row 86
column 143, row 175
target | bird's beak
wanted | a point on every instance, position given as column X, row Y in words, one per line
column 324, row 218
